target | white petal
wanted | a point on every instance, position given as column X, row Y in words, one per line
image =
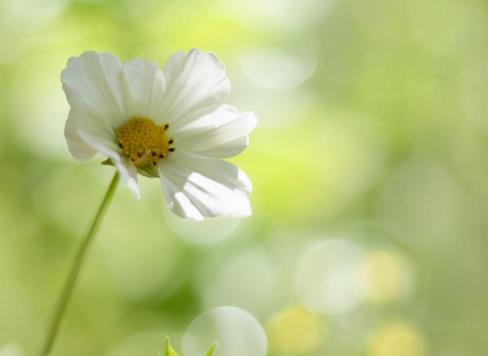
column 198, row 187
column 196, row 84
column 90, row 122
column 222, row 133
column 144, row 87
column 93, row 82
column 77, row 147
column 127, row 170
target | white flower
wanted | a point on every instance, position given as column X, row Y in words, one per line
column 170, row 123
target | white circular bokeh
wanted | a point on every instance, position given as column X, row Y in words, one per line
column 277, row 69
column 236, row 332
column 327, row 276
column 284, row 15
column 31, row 13
column 229, row 284
column 208, row 231
column 11, row 350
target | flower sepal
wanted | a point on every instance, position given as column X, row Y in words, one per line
column 107, row 162
column 149, row 171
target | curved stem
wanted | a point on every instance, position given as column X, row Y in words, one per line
column 67, row 291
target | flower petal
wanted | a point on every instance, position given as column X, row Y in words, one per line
column 198, row 187
column 93, row 82
column 196, row 84
column 222, row 133
column 126, row 168
column 77, row 147
column 144, row 88
column 93, row 123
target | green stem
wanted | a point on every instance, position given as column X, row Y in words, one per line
column 67, row 291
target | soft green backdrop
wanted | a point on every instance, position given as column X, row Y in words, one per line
column 369, row 235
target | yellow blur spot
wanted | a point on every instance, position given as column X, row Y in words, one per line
column 384, row 276
column 397, row 339
column 295, row 331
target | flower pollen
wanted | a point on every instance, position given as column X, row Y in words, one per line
column 144, row 142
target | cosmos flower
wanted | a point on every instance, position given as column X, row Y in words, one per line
column 172, row 124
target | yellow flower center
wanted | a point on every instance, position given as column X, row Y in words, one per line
column 144, row 142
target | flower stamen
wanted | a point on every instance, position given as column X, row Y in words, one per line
column 144, row 142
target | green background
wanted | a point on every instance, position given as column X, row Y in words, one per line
column 373, row 131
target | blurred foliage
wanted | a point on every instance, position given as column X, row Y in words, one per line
column 373, row 128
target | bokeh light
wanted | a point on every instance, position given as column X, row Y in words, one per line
column 230, row 283
column 327, row 276
column 235, row 331
column 397, row 338
column 11, row 350
column 277, row 69
column 385, row 276
column 285, row 15
column 209, row 231
column 296, row 331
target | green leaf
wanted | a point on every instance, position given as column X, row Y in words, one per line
column 168, row 348
column 212, row 350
